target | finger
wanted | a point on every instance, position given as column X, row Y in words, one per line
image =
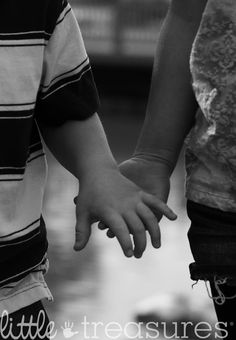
column 158, row 207
column 110, row 234
column 102, row 226
column 119, row 228
column 82, row 231
column 151, row 223
column 137, row 229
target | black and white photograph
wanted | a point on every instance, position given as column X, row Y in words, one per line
column 117, row 169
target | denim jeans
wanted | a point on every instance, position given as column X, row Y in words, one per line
column 212, row 238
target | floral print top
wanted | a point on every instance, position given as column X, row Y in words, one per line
column 211, row 145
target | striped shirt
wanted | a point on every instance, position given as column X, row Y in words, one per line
column 45, row 76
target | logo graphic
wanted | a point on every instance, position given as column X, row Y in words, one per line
column 67, row 330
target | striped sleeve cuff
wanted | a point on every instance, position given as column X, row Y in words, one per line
column 68, row 90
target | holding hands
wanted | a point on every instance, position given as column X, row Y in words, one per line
column 123, row 207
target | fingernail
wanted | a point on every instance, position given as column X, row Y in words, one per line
column 76, row 247
column 174, row 215
column 130, row 253
column 138, row 255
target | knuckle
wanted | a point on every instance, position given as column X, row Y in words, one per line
column 140, row 194
column 140, row 205
column 139, row 230
column 109, row 214
column 152, row 221
column 79, row 231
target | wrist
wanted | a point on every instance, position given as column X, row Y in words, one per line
column 97, row 171
column 159, row 161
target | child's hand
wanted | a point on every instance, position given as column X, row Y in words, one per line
column 151, row 176
column 119, row 204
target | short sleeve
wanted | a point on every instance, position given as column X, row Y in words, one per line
column 67, row 90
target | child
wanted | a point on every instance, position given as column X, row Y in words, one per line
column 204, row 33
column 46, row 82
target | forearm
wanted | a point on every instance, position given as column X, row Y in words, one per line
column 80, row 146
column 171, row 106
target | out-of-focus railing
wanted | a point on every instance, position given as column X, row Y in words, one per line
column 120, row 29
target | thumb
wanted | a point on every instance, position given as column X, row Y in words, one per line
column 82, row 231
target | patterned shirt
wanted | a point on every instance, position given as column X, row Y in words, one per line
column 45, row 76
column 211, row 145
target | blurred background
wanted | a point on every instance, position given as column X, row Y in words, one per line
column 99, row 283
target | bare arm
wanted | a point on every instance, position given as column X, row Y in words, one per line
column 105, row 195
column 80, row 146
column 171, row 107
